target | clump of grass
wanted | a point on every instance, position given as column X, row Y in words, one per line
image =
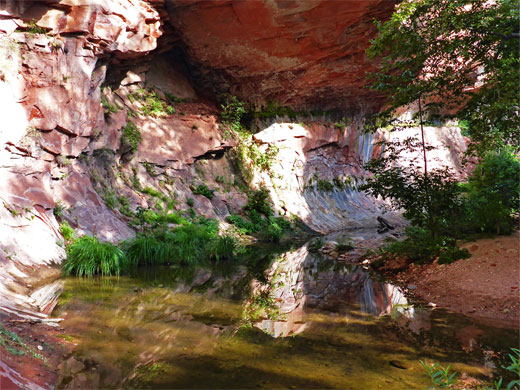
column 110, row 199
column 108, row 108
column 151, row 191
column 59, row 208
column 273, row 231
column 147, row 250
column 9, row 340
column 244, row 226
column 124, row 206
column 187, row 244
column 261, row 220
column 174, row 99
column 87, row 256
column 33, row 28
column 224, row 247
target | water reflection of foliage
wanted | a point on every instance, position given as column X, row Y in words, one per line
column 90, row 289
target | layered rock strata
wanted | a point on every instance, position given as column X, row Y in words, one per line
column 306, row 54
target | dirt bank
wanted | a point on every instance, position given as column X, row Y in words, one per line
column 485, row 286
column 30, row 353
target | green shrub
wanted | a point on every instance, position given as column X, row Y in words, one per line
column 87, row 256
column 284, row 223
column 272, row 232
column 245, row 227
column 33, row 28
column 66, row 231
column 274, row 109
column 202, row 189
column 420, row 247
column 149, row 216
column 209, row 223
column 339, row 183
column 258, row 202
column 430, row 201
column 176, row 218
column 151, row 103
column 493, row 193
column 190, row 202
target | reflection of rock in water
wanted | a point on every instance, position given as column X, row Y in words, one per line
column 301, row 279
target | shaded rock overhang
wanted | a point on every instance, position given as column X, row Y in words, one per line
column 306, row 54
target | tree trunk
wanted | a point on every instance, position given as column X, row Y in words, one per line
column 422, row 136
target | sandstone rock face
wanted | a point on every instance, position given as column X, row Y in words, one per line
column 51, row 108
column 319, row 168
column 120, row 27
column 305, row 53
column 55, row 79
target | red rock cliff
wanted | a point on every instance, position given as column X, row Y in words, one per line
column 301, row 53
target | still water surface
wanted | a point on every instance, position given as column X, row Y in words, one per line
column 278, row 318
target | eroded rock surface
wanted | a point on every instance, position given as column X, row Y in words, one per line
column 307, row 54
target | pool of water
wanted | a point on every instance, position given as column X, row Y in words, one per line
column 278, row 318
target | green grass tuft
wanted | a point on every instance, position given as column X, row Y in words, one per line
column 87, row 256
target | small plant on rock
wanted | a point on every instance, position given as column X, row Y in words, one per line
column 66, row 231
column 325, row 185
column 131, row 135
column 59, row 208
column 202, row 189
